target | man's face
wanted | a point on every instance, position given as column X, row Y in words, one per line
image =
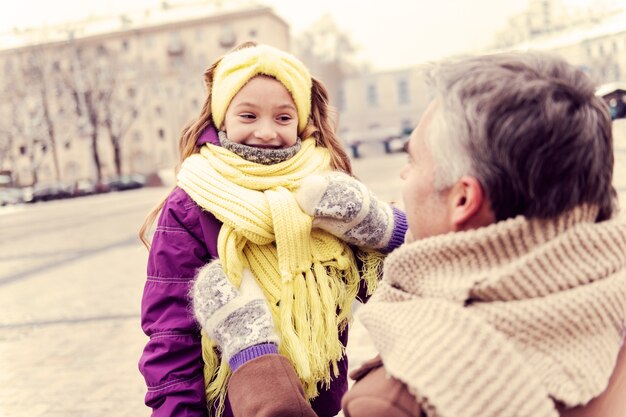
column 427, row 211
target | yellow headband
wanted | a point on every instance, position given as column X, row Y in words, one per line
column 239, row 67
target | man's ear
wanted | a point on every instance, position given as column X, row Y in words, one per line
column 469, row 205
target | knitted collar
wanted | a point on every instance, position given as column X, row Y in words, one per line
column 497, row 255
column 522, row 311
column 309, row 277
column 258, row 155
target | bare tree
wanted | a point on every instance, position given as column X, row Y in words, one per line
column 83, row 82
column 7, row 128
column 26, row 113
column 329, row 52
column 119, row 105
column 32, row 108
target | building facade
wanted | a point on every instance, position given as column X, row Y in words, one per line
column 593, row 39
column 378, row 106
column 97, row 100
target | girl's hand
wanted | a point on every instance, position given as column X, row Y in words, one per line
column 344, row 207
column 237, row 318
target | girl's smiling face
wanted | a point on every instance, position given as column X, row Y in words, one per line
column 263, row 115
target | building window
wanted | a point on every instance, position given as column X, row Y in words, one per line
column 252, row 33
column 161, row 134
column 372, row 95
column 23, row 150
column 175, row 47
column 125, row 45
column 227, row 38
column 403, row 92
column 132, row 92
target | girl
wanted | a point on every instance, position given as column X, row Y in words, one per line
column 235, row 202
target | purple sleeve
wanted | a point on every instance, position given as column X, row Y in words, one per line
column 399, row 230
column 397, row 239
column 171, row 362
column 250, row 353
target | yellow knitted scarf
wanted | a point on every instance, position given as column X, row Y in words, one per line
column 309, row 277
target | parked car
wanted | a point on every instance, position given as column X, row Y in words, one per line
column 126, row 182
column 11, row 195
column 84, row 187
column 391, row 138
column 614, row 94
column 52, row 191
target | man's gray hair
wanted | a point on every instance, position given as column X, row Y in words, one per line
column 529, row 127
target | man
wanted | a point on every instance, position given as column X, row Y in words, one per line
column 508, row 298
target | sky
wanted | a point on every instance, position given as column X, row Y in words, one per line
column 390, row 34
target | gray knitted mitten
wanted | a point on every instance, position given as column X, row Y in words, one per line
column 344, row 207
column 236, row 318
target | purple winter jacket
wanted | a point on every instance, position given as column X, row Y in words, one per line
column 185, row 240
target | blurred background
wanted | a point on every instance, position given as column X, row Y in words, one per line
column 94, row 95
column 95, row 92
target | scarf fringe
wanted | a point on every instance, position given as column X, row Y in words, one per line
column 216, row 376
column 308, row 340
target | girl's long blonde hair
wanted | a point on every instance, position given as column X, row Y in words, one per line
column 320, row 126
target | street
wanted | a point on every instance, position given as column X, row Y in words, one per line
column 71, row 277
column 70, row 288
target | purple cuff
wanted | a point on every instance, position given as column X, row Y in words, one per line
column 250, row 353
column 209, row 136
column 399, row 230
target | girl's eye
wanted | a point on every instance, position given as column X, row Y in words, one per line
column 247, row 116
column 284, row 118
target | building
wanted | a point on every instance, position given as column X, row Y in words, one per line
column 91, row 100
column 381, row 106
column 545, row 17
column 598, row 47
column 592, row 38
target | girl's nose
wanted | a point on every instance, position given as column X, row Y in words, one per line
column 265, row 132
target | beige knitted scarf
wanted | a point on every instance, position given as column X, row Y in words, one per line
column 503, row 320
